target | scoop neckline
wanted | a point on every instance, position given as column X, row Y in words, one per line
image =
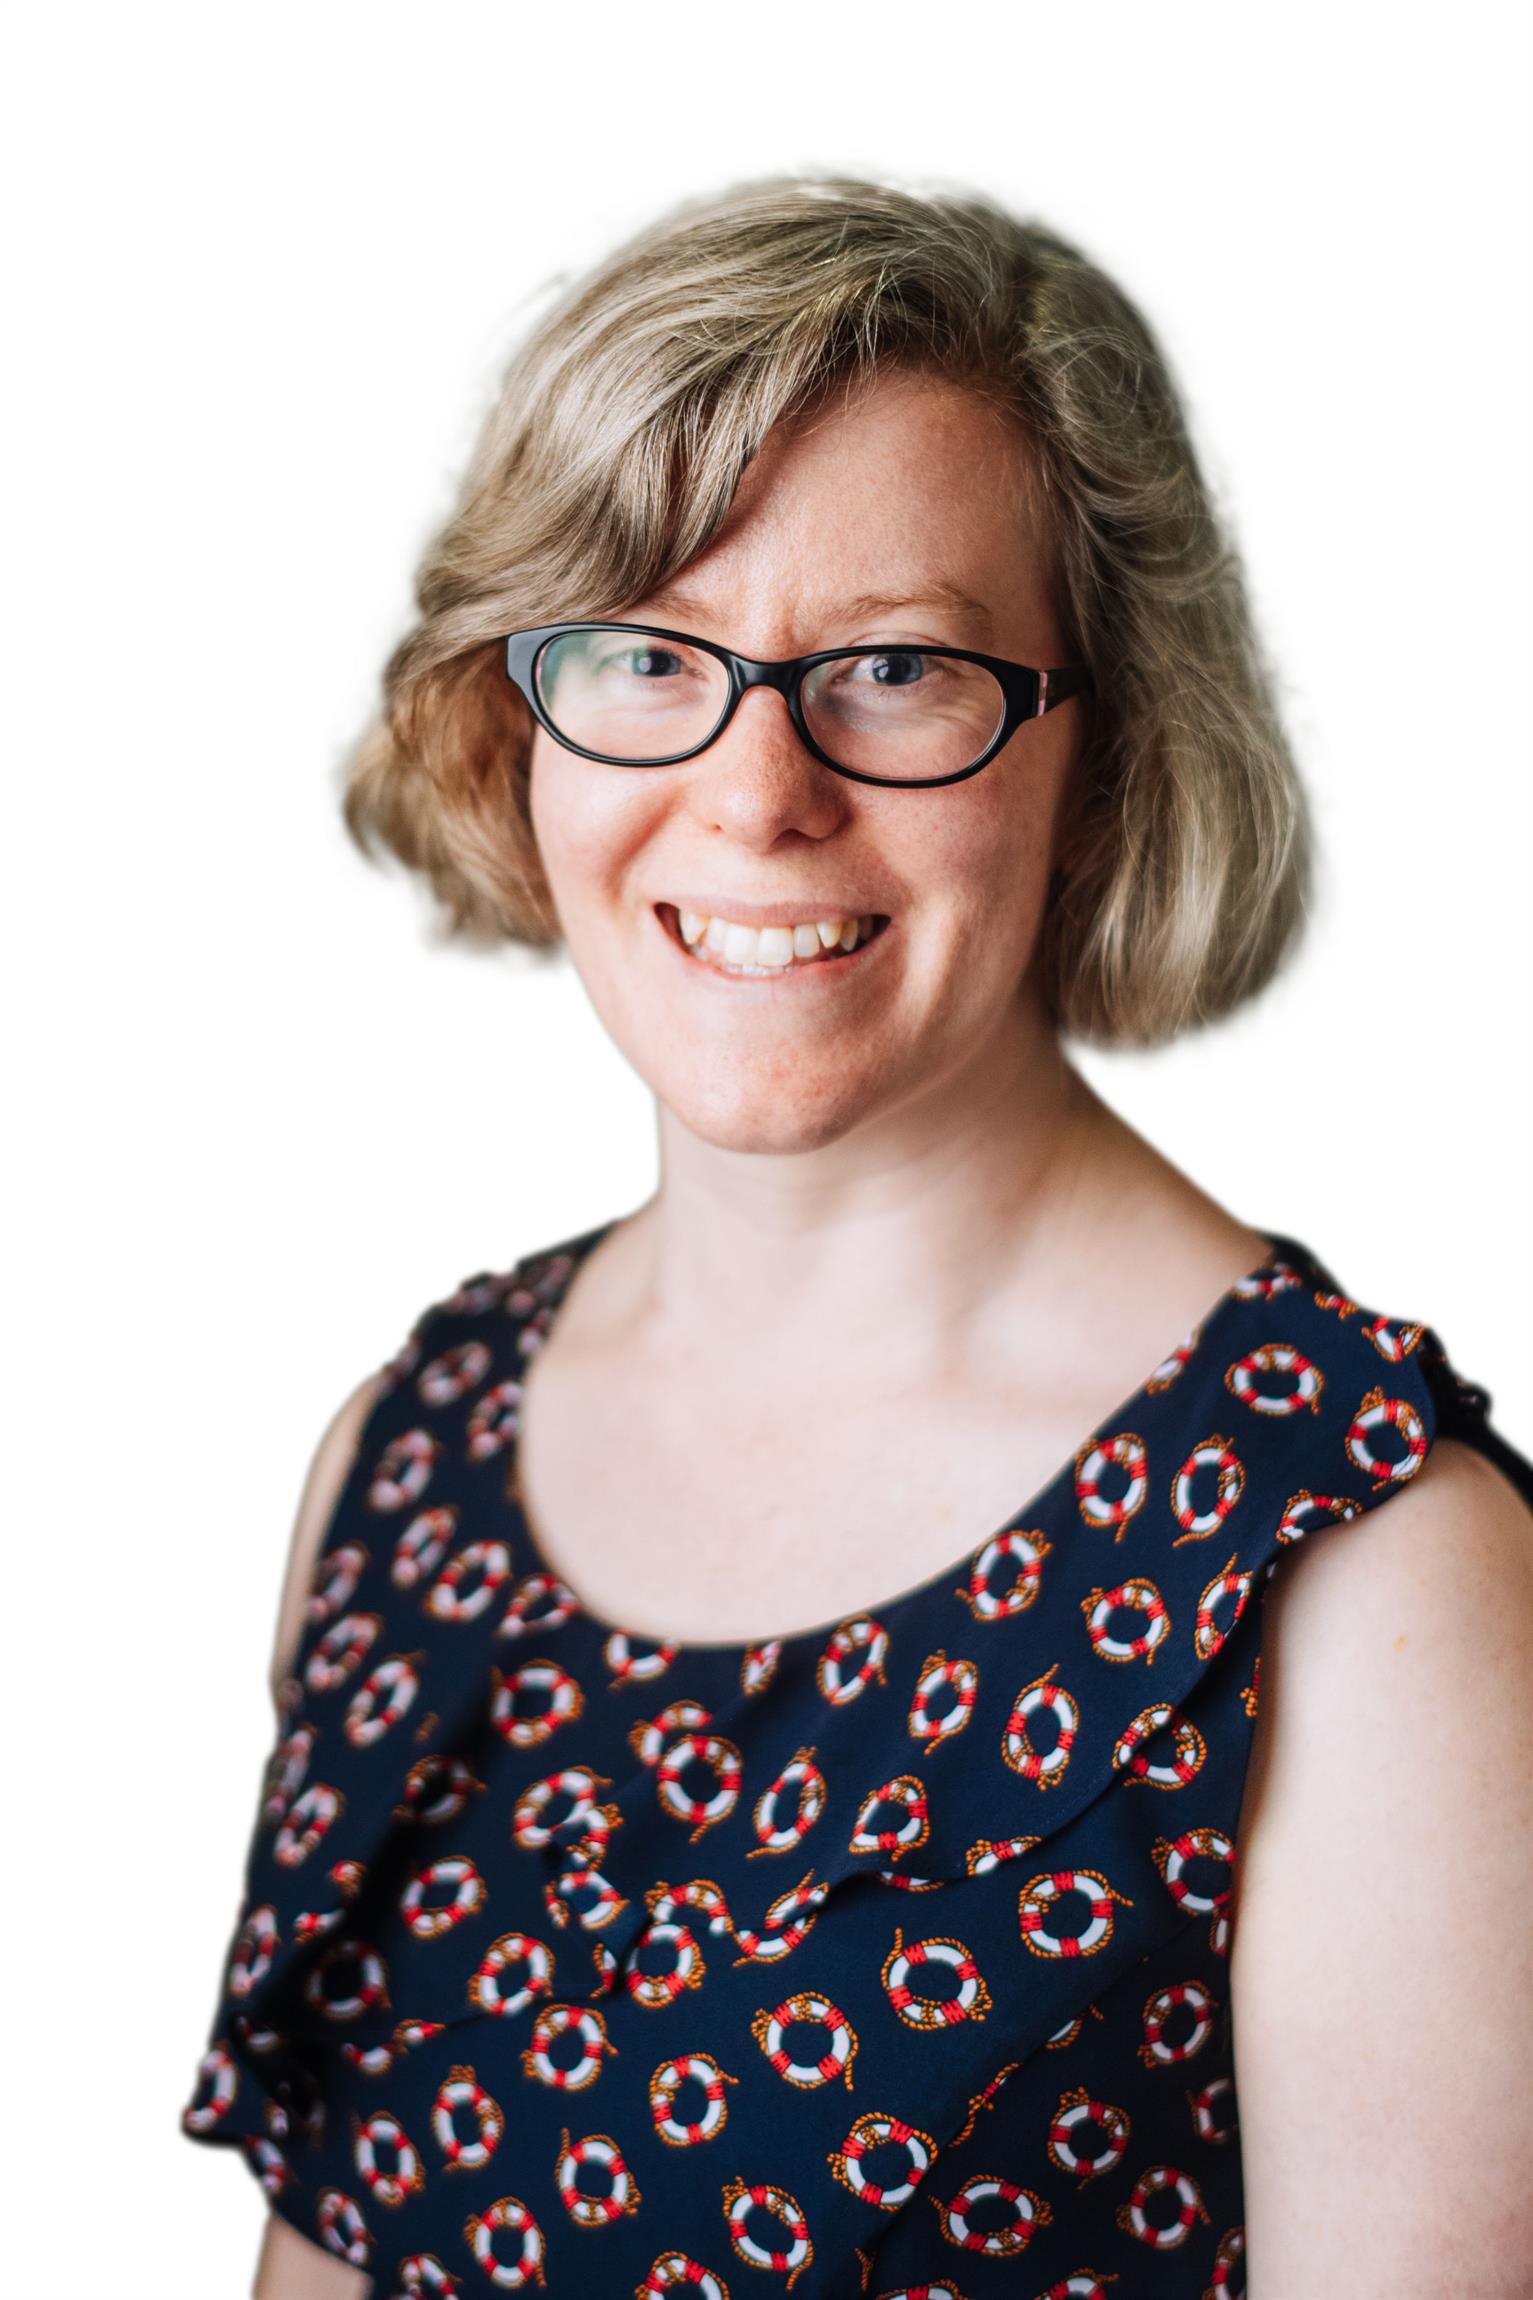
column 1281, row 1251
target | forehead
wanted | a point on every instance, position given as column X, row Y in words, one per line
column 912, row 489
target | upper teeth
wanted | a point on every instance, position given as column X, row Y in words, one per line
column 741, row 945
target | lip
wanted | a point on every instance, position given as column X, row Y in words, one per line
column 768, row 913
column 831, row 969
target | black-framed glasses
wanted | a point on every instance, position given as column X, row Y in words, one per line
column 899, row 714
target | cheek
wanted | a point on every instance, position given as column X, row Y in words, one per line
column 587, row 820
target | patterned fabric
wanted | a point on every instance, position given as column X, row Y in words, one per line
column 889, row 1958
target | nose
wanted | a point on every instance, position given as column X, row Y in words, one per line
column 757, row 776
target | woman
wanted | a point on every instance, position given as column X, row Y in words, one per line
column 719, row 1834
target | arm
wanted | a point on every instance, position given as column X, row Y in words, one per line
column 291, row 2266
column 1382, row 1962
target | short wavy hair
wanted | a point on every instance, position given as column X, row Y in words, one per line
column 610, row 457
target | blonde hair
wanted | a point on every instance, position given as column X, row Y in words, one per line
column 609, row 459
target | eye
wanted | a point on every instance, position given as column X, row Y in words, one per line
column 891, row 668
column 644, row 661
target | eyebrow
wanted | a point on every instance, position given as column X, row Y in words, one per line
column 947, row 597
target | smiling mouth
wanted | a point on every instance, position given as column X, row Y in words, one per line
column 834, row 960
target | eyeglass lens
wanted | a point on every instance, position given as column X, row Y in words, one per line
column 901, row 712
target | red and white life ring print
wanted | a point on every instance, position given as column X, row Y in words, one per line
column 985, row 2192
column 453, row 1374
column 517, row 2260
column 267, row 2162
column 663, row 1984
column 553, row 2024
column 1393, row 1338
column 808, row 2008
column 1087, row 2137
column 493, row 1422
column 678, row 2271
column 1276, row 1379
column 218, row 2084
column 706, row 1750
column 466, row 1584
column 1107, row 1610
column 341, row 1651
column 876, row 2130
column 1212, row 1458
column 585, row 1821
column 1214, row 2112
column 876, row 1829
column 651, row 1736
column 758, row 1665
column 1406, row 1448
column 1221, row 1602
column 698, row 1893
column 422, row 2277
column 422, row 1546
column 1178, row 2022
column 1304, row 1512
column 635, row 1660
column 1169, row 1369
column 852, row 1659
column 959, row 1681
column 907, row 1968
column 334, row 1581
column 348, row 1978
column 1174, row 1857
column 254, row 1946
column 1163, row 2207
column 598, row 2154
column 512, row 1971
column 1068, row 1912
column 308, row 1820
column 1229, row 2277
column 1172, row 1770
column 1042, row 1698
column 437, row 1789
column 529, row 1704
column 1019, row 1554
column 789, row 1919
column 403, row 1471
column 696, row 2068
column 342, row 2229
column 580, row 1890
column 1112, row 1479
column 385, row 2157
column 802, row 1780
column 791, row 2249
column 990, row 1852
column 539, row 1601
column 460, row 1880
column 1263, row 1285
column 285, row 1770
column 461, row 2097
column 383, row 1697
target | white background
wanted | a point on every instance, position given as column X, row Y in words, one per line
column 263, row 268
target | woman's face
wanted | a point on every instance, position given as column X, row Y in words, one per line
column 916, row 489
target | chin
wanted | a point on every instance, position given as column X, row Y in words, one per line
column 753, row 1119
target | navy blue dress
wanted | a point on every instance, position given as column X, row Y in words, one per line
column 890, row 1958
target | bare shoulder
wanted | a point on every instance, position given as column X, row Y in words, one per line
column 291, row 2267
column 327, row 1474
column 1381, row 1964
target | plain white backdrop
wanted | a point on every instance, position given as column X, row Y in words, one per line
column 262, row 271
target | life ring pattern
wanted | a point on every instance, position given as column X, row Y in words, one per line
column 894, row 1952
column 1112, row 1481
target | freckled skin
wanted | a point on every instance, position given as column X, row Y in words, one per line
column 917, row 479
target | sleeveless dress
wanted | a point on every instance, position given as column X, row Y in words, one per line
column 889, row 1958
